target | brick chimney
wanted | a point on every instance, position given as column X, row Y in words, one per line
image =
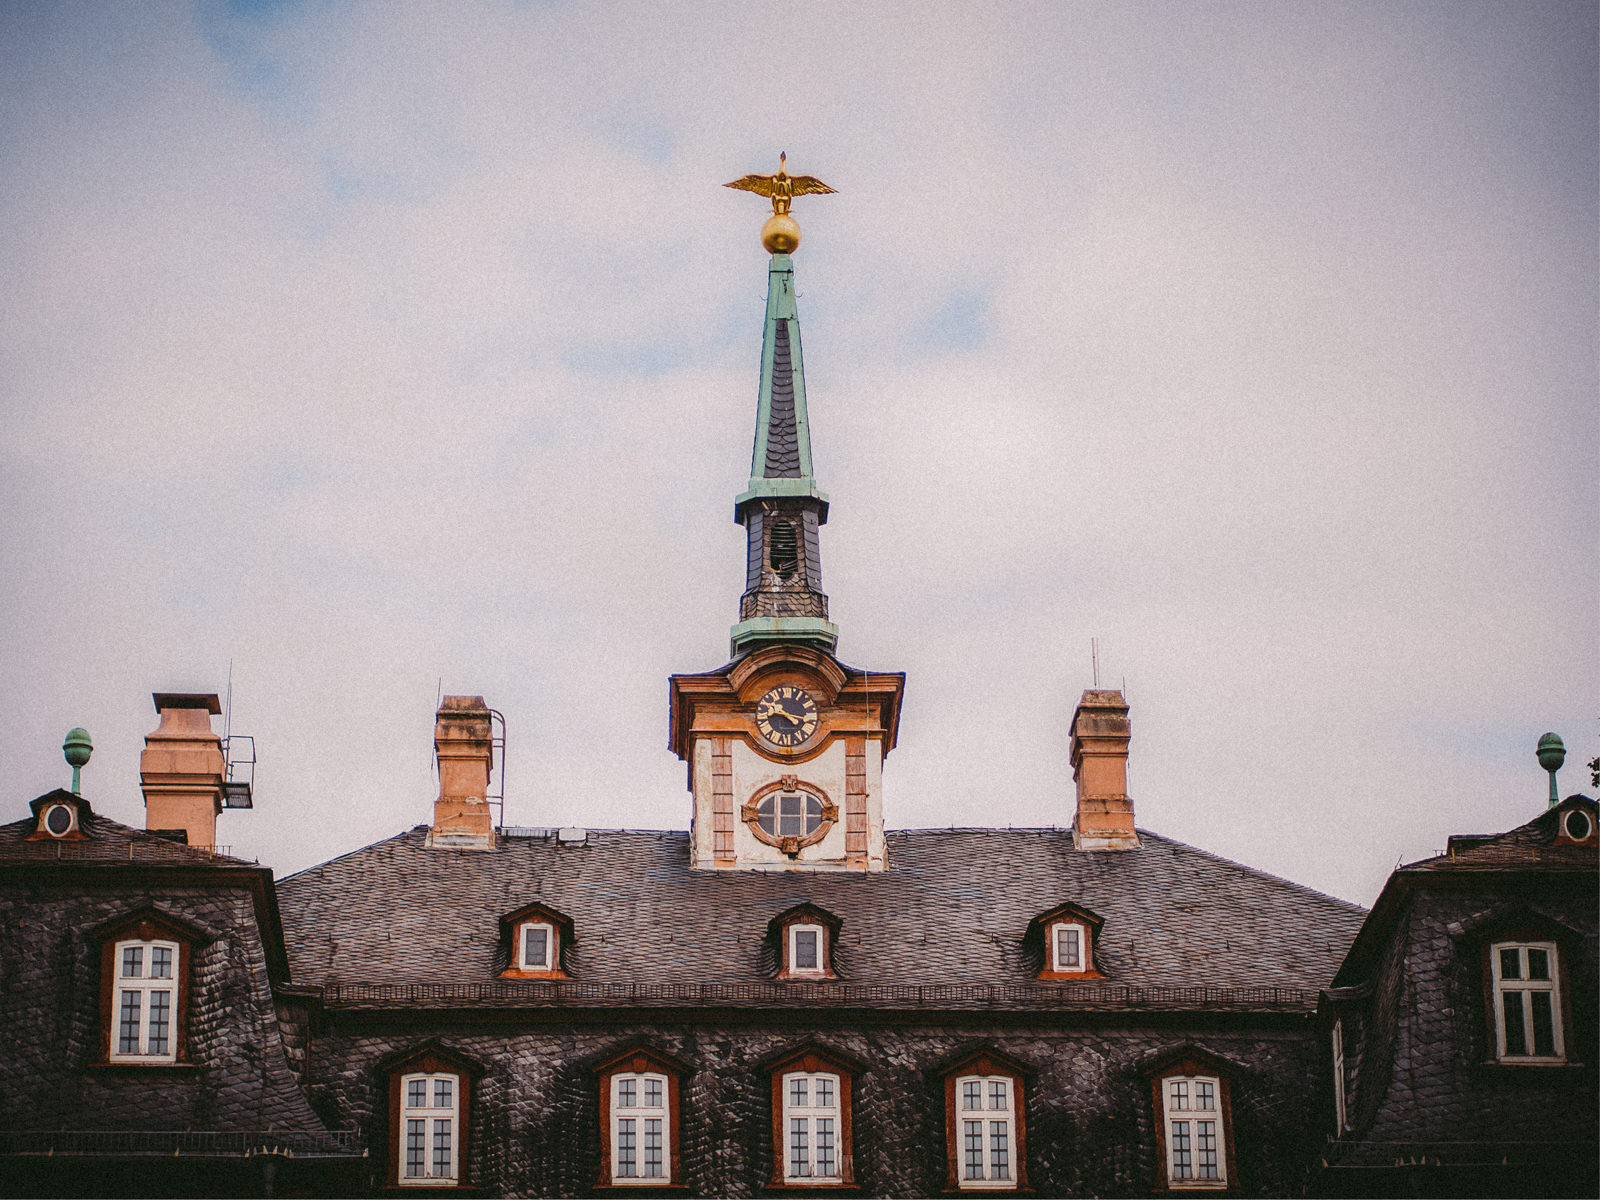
column 1100, row 733
column 464, row 743
column 182, row 769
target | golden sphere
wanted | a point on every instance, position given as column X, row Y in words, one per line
column 780, row 235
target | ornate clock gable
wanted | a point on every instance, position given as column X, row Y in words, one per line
column 785, row 750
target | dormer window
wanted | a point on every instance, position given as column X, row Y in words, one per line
column 59, row 817
column 535, row 942
column 144, row 988
column 1525, row 980
column 1063, row 942
column 985, row 1097
column 805, row 937
column 639, row 1105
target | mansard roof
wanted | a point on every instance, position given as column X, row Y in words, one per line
column 398, row 922
column 1532, row 847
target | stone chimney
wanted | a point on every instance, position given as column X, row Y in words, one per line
column 464, row 743
column 1100, row 733
column 182, row 769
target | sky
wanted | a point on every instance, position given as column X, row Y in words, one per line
column 374, row 352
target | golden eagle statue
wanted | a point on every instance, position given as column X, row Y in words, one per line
column 780, row 234
column 782, row 187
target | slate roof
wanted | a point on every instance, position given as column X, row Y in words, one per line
column 108, row 842
column 783, row 437
column 950, row 913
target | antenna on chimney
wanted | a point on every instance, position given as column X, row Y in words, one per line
column 1094, row 660
column 239, row 772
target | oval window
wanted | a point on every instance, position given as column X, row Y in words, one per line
column 58, row 821
column 1578, row 825
column 789, row 814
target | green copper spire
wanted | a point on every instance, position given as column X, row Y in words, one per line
column 782, row 509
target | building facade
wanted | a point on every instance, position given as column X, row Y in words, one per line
column 1462, row 1024
column 787, row 996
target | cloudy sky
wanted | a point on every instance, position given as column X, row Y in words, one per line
column 387, row 349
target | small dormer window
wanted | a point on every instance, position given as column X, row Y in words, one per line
column 1063, row 942
column 804, row 938
column 537, row 944
column 59, row 816
column 536, row 940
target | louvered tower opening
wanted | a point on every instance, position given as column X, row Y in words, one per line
column 783, row 550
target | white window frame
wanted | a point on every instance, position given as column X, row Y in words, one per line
column 791, row 940
column 993, row 1119
column 1187, row 1147
column 802, row 1117
column 1340, row 1115
column 1056, row 965
column 429, row 1114
column 72, row 820
column 636, row 1115
column 144, row 987
column 551, row 949
column 1521, row 992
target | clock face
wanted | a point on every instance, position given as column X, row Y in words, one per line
column 786, row 715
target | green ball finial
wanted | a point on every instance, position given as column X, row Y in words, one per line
column 1551, row 754
column 76, row 749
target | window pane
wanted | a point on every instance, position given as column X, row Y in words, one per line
column 825, row 1147
column 971, row 1094
column 1516, row 1037
column 160, row 962
column 417, row 1093
column 627, row 1094
column 997, row 1094
column 1205, row 1095
column 825, row 1092
column 1206, row 1147
column 799, row 1091
column 443, row 1090
column 132, row 962
column 535, row 946
column 441, row 1149
column 416, row 1147
column 999, row 1150
column 766, row 816
column 1067, row 948
column 160, row 1012
column 1544, row 1030
column 805, row 949
column 813, row 814
column 1181, row 1167
column 652, row 1149
column 1180, row 1094
column 790, row 822
column 972, row 1134
column 128, row 1024
column 1538, row 964
column 1510, row 964
column 799, row 1147
column 652, row 1093
column 627, row 1164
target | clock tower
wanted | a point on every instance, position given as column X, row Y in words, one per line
column 785, row 744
